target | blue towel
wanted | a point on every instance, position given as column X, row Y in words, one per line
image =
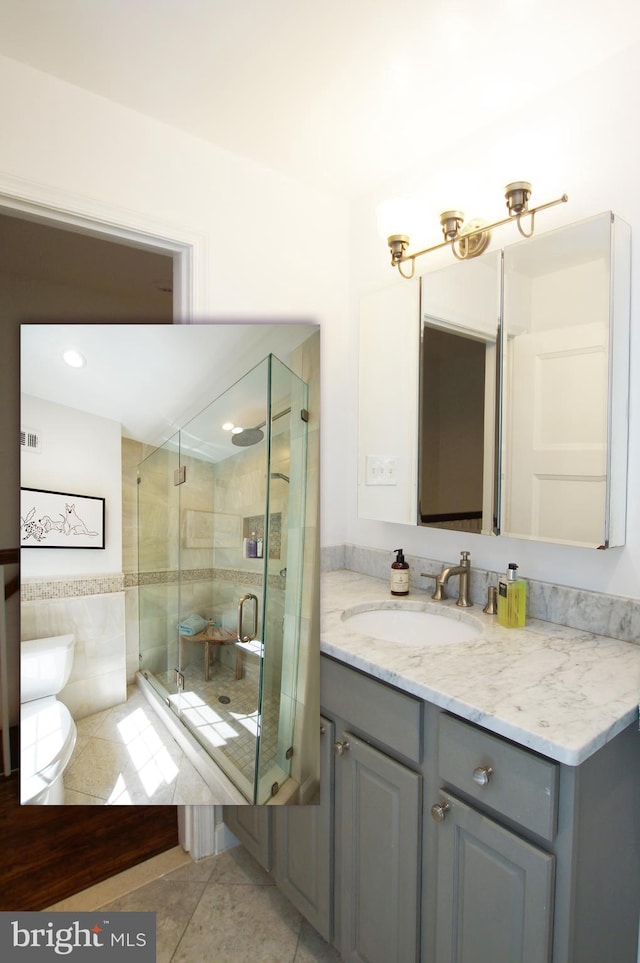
column 192, row 625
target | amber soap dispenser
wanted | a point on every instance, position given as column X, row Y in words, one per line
column 399, row 574
column 512, row 599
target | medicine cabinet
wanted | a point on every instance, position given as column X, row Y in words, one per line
column 493, row 393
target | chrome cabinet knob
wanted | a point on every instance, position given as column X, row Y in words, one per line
column 482, row 775
column 341, row 747
column 439, row 811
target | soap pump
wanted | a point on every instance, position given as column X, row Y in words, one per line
column 399, row 574
column 512, row 599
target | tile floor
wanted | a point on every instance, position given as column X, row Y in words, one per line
column 125, row 756
column 224, row 909
column 229, row 727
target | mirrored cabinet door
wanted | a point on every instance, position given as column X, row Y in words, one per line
column 493, row 392
column 565, row 386
column 459, row 368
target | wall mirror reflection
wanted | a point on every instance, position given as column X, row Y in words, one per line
column 566, row 338
column 459, row 354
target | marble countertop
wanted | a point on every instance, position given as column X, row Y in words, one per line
column 557, row 690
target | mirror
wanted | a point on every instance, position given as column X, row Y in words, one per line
column 459, row 352
column 565, row 392
column 433, row 362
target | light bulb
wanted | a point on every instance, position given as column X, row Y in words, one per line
column 74, row 358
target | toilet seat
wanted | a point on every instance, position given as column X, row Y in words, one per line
column 48, row 737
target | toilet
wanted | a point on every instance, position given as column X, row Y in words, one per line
column 47, row 730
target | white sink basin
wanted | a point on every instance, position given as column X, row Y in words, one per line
column 412, row 626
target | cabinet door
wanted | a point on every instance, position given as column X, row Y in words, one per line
column 378, row 804
column 495, row 891
column 304, row 846
column 252, row 826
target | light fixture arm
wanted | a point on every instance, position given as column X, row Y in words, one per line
column 398, row 243
column 519, row 222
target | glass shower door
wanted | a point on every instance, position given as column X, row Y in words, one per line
column 284, row 577
column 159, row 565
column 224, row 453
column 221, row 536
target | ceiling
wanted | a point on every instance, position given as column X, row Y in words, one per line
column 339, row 94
column 192, row 366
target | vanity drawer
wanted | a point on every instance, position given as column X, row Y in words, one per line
column 389, row 717
column 520, row 784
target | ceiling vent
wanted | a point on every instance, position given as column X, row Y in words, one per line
column 30, row 440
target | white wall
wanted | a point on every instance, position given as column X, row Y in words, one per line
column 64, row 147
column 582, row 141
column 81, row 454
column 264, row 246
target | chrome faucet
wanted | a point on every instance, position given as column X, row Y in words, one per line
column 462, row 571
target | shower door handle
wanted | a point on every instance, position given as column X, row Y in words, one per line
column 241, row 636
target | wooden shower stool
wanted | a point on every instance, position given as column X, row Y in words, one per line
column 211, row 637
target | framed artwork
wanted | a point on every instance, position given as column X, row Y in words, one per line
column 60, row 520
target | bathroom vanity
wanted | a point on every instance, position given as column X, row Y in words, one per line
column 479, row 799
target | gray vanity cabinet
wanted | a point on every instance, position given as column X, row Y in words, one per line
column 378, row 814
column 304, row 846
column 252, row 826
column 352, row 864
column 494, row 894
column 378, row 861
column 532, row 861
column 526, row 860
column 494, row 891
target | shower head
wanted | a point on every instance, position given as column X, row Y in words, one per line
column 247, row 437
column 251, row 436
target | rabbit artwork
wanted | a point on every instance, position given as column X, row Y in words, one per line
column 73, row 523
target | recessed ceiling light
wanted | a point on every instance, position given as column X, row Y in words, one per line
column 228, row 426
column 236, row 431
column 74, row 358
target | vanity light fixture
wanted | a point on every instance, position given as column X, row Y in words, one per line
column 471, row 239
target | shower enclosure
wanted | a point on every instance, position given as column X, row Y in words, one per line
column 221, row 515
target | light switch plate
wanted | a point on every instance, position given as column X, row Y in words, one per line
column 381, row 470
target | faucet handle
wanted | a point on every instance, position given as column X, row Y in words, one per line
column 464, row 556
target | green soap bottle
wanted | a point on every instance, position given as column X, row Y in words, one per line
column 512, row 599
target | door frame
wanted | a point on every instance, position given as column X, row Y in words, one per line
column 201, row 829
column 82, row 215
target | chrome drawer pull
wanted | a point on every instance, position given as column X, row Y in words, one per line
column 439, row 811
column 482, row 775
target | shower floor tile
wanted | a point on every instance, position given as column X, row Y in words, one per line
column 228, row 727
column 125, row 756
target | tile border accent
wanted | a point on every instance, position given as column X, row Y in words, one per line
column 237, row 575
column 593, row 612
column 32, row 590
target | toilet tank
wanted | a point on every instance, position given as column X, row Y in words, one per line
column 45, row 666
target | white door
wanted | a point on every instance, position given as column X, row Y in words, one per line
column 555, row 476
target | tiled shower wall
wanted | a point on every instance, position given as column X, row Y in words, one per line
column 213, row 572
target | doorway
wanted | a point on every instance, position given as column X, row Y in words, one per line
column 53, row 268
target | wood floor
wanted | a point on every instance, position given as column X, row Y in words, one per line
column 50, row 852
